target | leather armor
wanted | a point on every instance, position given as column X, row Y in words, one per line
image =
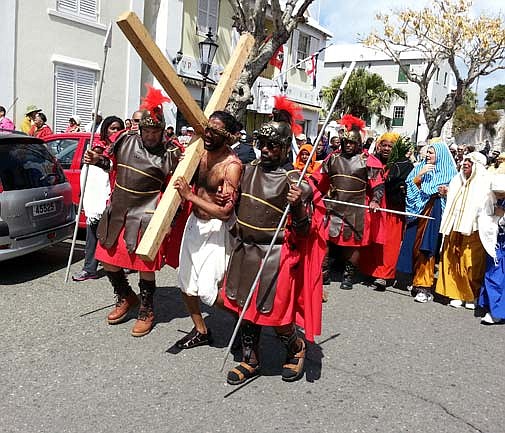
column 348, row 182
column 262, row 203
column 140, row 177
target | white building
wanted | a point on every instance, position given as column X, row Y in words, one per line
column 53, row 55
column 407, row 115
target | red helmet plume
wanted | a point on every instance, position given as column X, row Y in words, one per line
column 350, row 122
column 152, row 102
column 288, row 111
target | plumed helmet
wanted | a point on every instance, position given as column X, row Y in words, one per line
column 152, row 110
column 283, row 124
column 353, row 128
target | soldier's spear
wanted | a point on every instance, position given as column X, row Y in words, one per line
column 329, row 200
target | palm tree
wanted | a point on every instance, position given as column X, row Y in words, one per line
column 365, row 95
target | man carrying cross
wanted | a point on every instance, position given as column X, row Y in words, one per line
column 142, row 163
column 204, row 250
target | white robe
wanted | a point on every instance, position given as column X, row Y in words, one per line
column 203, row 257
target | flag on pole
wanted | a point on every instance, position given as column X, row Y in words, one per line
column 277, row 59
column 311, row 68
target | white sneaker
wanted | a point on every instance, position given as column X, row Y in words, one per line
column 487, row 320
column 470, row 305
column 490, row 320
column 456, row 303
column 423, row 297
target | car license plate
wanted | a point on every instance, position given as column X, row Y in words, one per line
column 45, row 208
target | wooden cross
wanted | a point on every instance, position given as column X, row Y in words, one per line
column 152, row 56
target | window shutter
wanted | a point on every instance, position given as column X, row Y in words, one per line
column 67, row 6
column 64, row 98
column 203, row 7
column 88, row 9
column 208, row 13
column 74, row 94
column 294, row 46
column 85, row 94
column 213, row 14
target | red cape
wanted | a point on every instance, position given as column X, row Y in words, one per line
column 298, row 296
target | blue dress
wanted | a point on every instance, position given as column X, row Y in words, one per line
column 492, row 293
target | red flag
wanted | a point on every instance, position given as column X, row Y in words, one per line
column 310, row 67
column 277, row 59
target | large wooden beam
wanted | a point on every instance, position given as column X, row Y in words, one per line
column 161, row 68
column 167, row 207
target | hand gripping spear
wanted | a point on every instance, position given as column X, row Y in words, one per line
column 285, row 214
column 106, row 45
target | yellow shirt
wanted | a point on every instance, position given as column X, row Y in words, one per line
column 26, row 124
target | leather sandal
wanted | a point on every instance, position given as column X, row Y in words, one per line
column 241, row 373
column 194, row 339
column 294, row 367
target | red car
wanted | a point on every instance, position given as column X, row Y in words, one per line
column 69, row 150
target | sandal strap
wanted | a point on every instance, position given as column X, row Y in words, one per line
column 243, row 369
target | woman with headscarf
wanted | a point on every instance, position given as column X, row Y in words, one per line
column 74, row 124
column 463, row 262
column 303, row 158
column 492, row 234
column 426, row 189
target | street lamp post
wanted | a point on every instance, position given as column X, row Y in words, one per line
column 208, row 48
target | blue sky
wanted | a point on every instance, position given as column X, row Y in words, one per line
column 347, row 19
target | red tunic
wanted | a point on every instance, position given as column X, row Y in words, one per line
column 370, row 170
column 129, row 211
column 298, row 290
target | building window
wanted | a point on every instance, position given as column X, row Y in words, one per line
column 208, row 11
column 87, row 9
column 402, row 76
column 437, row 76
column 398, row 115
column 445, row 78
column 303, row 48
column 74, row 93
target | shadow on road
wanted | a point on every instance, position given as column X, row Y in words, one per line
column 39, row 263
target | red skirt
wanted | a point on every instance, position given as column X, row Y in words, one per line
column 379, row 260
column 118, row 255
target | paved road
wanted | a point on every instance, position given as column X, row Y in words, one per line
column 383, row 364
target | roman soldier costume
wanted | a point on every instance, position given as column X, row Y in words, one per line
column 141, row 174
column 289, row 289
column 355, row 178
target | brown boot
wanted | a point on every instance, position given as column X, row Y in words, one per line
column 126, row 299
column 145, row 319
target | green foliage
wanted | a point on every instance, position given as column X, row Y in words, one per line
column 470, row 98
column 495, row 97
column 466, row 119
column 400, row 148
column 365, row 95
